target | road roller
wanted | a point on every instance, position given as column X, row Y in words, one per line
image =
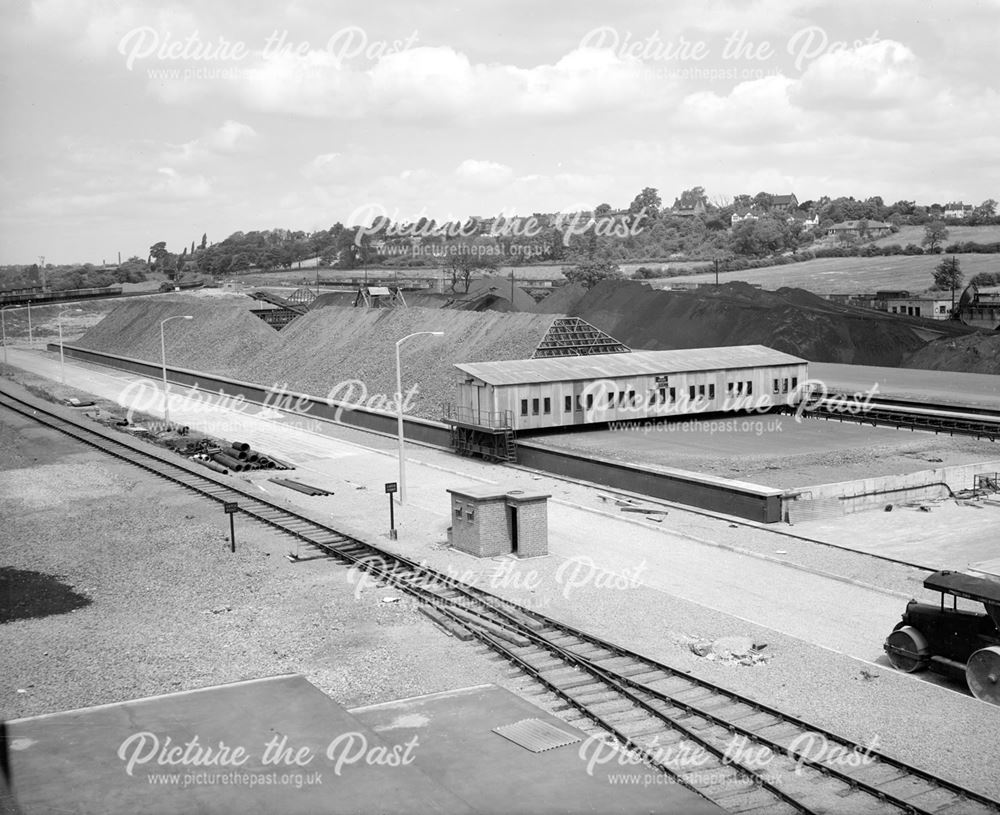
column 952, row 641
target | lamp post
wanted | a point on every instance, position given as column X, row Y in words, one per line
column 163, row 363
column 399, row 411
column 62, row 359
column 3, row 325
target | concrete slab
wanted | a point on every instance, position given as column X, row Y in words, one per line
column 261, row 746
column 456, row 732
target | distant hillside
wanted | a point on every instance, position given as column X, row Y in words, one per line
column 791, row 320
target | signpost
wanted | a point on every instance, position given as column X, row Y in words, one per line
column 231, row 508
column 390, row 488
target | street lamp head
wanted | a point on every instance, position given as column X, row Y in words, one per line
column 437, row 333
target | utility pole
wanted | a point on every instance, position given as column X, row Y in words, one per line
column 41, row 269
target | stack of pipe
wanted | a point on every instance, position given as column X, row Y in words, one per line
column 239, row 456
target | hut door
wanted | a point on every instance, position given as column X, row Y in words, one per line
column 578, row 401
column 482, row 405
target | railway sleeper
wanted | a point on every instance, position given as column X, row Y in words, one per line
column 760, row 802
column 944, row 801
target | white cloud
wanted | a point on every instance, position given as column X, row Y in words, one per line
column 483, row 173
column 230, row 138
column 173, row 185
column 432, row 84
column 876, row 75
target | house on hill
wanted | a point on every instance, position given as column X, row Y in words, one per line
column 784, row 203
column 743, row 215
column 688, row 212
column 868, row 230
column 957, row 209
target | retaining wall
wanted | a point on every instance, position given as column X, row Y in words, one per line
column 845, row 497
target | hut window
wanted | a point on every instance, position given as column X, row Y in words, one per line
column 569, row 403
column 749, row 388
column 711, row 391
column 775, row 385
column 590, row 401
column 691, row 392
column 534, row 407
column 524, row 407
column 547, row 405
column 795, row 382
column 663, row 395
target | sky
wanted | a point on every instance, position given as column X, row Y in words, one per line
column 129, row 122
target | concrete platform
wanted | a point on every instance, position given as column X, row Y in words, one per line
column 499, row 776
column 280, row 745
column 107, row 759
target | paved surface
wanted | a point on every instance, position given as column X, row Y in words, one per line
column 948, row 387
column 778, row 451
column 662, row 559
column 951, row 536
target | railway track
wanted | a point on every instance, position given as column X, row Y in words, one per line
column 745, row 756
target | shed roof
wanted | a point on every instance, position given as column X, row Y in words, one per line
column 636, row 363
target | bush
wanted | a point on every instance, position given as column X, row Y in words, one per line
column 986, row 279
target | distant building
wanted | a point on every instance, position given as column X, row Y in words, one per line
column 688, row 212
column 784, row 203
column 934, row 308
column 860, row 229
column 957, row 209
column 744, row 215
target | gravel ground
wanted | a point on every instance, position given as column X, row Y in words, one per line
column 173, row 609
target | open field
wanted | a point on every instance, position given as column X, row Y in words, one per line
column 850, row 275
column 915, row 234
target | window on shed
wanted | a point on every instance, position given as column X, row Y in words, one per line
column 673, row 394
column 458, row 510
column 663, row 395
column 569, row 403
column 524, row 407
column 749, row 387
column 711, row 391
column 590, row 401
column 547, row 405
column 795, row 382
column 631, row 398
column 729, row 387
column 578, row 405
column 784, row 385
column 534, row 407
column 691, row 392
column 701, row 390
column 776, row 388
